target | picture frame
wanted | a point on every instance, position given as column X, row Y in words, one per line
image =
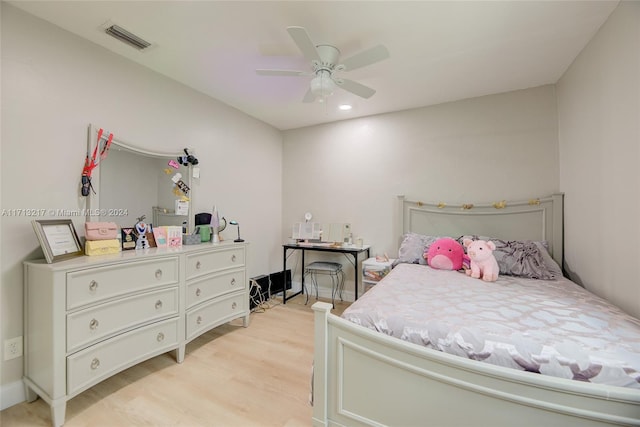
column 160, row 236
column 129, row 238
column 58, row 239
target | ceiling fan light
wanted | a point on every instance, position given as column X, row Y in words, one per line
column 322, row 85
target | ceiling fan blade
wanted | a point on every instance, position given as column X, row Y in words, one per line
column 356, row 88
column 282, row 73
column 309, row 97
column 366, row 57
column 304, row 43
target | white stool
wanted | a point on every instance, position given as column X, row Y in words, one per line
column 334, row 270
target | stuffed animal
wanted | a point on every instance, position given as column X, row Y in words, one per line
column 445, row 254
column 142, row 229
column 483, row 263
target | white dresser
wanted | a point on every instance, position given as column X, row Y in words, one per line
column 89, row 318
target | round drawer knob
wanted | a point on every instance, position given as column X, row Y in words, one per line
column 199, row 320
column 234, row 305
column 95, row 363
column 160, row 337
column 93, row 286
column 158, row 305
column 198, row 265
column 198, row 292
column 158, row 274
column 233, row 281
column 233, row 258
column 93, row 324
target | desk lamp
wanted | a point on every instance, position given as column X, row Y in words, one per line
column 236, row 223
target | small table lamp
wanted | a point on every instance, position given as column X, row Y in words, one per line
column 236, row 223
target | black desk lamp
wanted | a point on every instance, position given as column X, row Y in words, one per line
column 236, row 223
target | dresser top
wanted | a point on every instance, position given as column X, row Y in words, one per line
column 131, row 255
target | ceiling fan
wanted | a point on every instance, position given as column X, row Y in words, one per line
column 325, row 61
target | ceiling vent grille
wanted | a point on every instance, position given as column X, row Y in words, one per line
column 127, row 37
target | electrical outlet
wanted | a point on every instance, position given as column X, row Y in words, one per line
column 12, row 348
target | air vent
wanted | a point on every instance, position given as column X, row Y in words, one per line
column 127, row 37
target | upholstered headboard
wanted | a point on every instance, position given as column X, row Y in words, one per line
column 539, row 219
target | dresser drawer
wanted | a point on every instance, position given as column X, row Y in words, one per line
column 94, row 285
column 216, row 312
column 199, row 264
column 93, row 324
column 205, row 288
column 93, row 364
column 202, row 263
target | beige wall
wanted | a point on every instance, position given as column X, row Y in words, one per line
column 477, row 150
column 599, row 134
column 54, row 84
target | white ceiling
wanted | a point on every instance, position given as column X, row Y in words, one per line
column 440, row 51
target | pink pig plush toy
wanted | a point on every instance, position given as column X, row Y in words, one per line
column 483, row 263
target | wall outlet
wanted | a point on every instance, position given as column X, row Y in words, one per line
column 12, row 348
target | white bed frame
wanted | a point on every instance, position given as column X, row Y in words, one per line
column 362, row 377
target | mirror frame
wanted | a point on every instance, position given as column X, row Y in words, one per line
column 93, row 200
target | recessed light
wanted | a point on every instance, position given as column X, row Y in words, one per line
column 345, row 107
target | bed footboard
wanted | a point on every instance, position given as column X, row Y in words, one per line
column 362, row 377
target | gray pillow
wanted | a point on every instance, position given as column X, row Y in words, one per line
column 521, row 258
column 549, row 262
column 413, row 247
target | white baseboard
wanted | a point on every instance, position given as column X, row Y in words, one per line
column 12, row 394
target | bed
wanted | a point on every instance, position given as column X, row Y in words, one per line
column 404, row 376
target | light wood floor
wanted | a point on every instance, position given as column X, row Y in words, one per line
column 231, row 376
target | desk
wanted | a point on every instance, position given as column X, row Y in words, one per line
column 347, row 250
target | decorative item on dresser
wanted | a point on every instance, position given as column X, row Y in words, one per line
column 89, row 318
column 58, row 239
column 237, row 224
column 101, row 238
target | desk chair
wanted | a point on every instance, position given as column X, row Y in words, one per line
column 334, row 270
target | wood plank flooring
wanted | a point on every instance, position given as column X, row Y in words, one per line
column 231, row 376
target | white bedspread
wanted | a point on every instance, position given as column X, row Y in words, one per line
column 550, row 327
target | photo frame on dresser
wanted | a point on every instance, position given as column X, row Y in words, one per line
column 58, row 239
